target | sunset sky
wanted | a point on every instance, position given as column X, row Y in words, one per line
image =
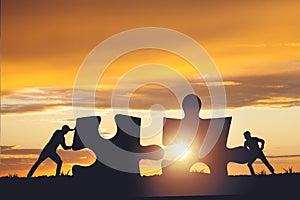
column 255, row 45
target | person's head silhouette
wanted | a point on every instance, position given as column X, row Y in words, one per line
column 65, row 129
column 247, row 135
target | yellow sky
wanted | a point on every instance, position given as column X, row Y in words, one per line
column 255, row 46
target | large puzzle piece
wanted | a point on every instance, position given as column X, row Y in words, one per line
column 122, row 153
column 218, row 157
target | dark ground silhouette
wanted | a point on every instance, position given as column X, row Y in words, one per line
column 195, row 186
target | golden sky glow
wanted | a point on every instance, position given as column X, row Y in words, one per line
column 254, row 44
column 242, row 38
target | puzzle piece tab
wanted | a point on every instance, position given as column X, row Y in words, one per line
column 195, row 130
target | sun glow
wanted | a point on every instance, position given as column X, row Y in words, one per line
column 179, row 152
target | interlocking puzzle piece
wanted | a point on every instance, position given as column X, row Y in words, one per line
column 218, row 157
column 123, row 152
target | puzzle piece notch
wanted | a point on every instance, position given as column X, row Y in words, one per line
column 122, row 152
column 219, row 156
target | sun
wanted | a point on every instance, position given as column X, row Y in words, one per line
column 180, row 152
column 185, row 155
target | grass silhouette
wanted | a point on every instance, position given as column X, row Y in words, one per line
column 262, row 173
column 289, row 170
column 13, row 176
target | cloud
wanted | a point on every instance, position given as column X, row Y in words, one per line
column 13, row 150
column 280, row 90
column 7, row 93
column 68, row 120
column 271, row 90
column 21, row 108
column 250, row 45
column 264, row 45
column 284, row 156
column 4, row 148
column 224, row 83
column 35, row 99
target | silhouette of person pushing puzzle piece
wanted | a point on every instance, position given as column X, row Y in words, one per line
column 50, row 150
column 252, row 144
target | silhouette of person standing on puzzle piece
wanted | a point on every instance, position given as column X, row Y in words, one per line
column 251, row 143
column 50, row 150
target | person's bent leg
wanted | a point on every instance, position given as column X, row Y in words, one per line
column 55, row 157
column 41, row 158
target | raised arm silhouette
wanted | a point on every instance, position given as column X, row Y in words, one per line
column 50, row 150
column 256, row 151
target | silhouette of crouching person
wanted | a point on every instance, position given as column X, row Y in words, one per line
column 50, row 150
column 256, row 151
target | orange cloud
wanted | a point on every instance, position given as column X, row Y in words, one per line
column 279, row 90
